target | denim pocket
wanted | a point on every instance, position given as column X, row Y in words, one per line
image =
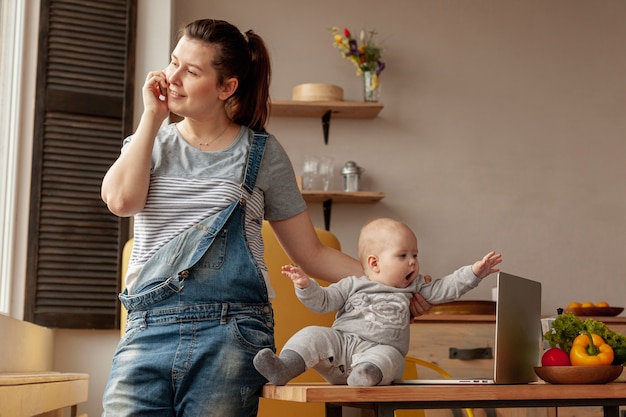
column 129, row 334
column 252, row 333
column 152, row 292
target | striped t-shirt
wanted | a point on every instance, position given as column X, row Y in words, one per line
column 188, row 185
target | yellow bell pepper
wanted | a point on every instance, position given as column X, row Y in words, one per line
column 590, row 350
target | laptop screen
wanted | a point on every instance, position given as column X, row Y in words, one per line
column 518, row 329
column 518, row 338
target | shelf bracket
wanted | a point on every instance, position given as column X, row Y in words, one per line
column 327, row 206
column 326, row 125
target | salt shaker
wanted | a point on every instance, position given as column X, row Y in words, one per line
column 351, row 173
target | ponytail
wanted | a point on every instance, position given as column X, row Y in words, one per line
column 251, row 100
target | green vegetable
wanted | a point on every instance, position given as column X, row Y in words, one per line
column 567, row 326
column 564, row 330
column 615, row 340
column 619, row 356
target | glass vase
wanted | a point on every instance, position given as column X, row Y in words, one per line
column 371, row 86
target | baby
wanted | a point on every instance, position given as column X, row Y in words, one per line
column 369, row 338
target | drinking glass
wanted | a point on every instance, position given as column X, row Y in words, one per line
column 325, row 171
column 309, row 172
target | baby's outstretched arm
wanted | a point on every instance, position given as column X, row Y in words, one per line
column 486, row 266
column 297, row 275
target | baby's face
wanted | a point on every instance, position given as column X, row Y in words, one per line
column 397, row 262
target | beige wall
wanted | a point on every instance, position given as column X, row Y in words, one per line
column 503, row 128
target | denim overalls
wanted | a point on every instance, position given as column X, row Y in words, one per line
column 199, row 314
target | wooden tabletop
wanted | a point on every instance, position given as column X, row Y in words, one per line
column 26, row 378
column 29, row 394
column 447, row 396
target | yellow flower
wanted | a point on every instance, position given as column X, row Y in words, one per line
column 374, row 83
column 366, row 56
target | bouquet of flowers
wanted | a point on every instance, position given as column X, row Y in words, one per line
column 366, row 56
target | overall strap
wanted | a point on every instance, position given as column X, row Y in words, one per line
column 186, row 250
column 255, row 156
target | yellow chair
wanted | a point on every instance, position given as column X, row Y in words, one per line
column 128, row 248
column 290, row 315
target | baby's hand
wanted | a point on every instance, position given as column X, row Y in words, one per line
column 297, row 275
column 485, row 266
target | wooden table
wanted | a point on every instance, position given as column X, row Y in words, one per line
column 30, row 394
column 385, row 400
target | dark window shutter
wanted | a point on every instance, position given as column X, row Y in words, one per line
column 83, row 111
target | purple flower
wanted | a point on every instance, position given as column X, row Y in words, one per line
column 366, row 56
column 381, row 67
column 354, row 49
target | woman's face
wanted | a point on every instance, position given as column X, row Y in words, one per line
column 193, row 89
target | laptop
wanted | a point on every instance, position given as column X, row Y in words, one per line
column 518, row 339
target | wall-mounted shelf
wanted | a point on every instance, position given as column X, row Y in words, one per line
column 327, row 198
column 340, row 109
column 326, row 110
column 314, row 196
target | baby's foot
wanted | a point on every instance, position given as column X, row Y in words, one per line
column 365, row 375
column 279, row 370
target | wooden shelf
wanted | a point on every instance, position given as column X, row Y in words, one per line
column 313, row 196
column 326, row 110
column 339, row 109
column 328, row 197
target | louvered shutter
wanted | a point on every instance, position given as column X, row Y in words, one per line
column 83, row 111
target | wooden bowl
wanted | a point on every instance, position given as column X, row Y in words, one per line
column 579, row 374
column 464, row 307
column 595, row 311
column 317, row 92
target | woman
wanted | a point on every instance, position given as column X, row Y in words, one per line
column 198, row 292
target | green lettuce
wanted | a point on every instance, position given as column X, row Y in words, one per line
column 567, row 326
